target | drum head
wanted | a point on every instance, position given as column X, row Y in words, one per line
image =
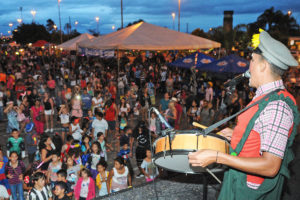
column 179, row 162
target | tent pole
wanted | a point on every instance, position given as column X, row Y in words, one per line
column 219, row 52
column 118, row 62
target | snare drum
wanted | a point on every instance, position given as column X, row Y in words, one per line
column 181, row 145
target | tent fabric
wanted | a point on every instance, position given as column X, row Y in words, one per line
column 39, row 43
column 71, row 44
column 145, row 36
column 189, row 61
column 230, row 64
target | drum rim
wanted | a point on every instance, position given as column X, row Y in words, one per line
column 183, row 152
column 211, row 134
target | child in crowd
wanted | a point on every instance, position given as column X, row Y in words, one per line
column 148, row 168
column 66, row 147
column 62, row 177
column 40, row 190
column 75, row 152
column 14, row 171
column 104, row 145
column 54, row 166
column 72, row 171
column 127, row 138
column 85, row 149
column 60, row 190
column 64, row 120
column 123, row 121
column 16, row 143
column 125, row 154
column 85, row 186
column 119, row 177
column 31, row 141
column 74, row 128
column 102, row 178
column 95, row 157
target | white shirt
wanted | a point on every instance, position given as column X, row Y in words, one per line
column 84, row 188
column 1, row 96
column 77, row 134
column 64, row 118
column 99, row 126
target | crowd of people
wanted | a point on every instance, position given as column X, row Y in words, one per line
column 64, row 113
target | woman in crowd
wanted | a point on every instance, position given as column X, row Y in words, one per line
column 37, row 115
column 49, row 111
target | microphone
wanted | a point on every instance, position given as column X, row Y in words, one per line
column 162, row 119
column 237, row 79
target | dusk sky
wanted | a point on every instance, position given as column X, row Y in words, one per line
column 197, row 13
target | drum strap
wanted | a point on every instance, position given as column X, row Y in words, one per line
column 223, row 121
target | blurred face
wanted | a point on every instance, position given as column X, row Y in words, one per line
column 60, row 178
column 117, row 165
column 41, row 182
column 166, row 96
column 95, row 148
column 70, row 161
column 15, row 134
column 48, row 141
column 125, row 146
column 101, row 137
column 13, row 158
column 55, row 158
column 37, row 103
column 86, row 140
column 58, row 191
column 148, row 154
column 100, row 168
column 84, row 174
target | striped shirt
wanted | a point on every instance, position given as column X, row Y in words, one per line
column 44, row 194
column 15, row 172
column 273, row 123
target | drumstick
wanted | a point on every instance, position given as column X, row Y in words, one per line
column 213, row 175
column 203, row 127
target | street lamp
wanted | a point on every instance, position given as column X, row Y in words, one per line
column 97, row 20
column 19, row 21
column 54, row 26
column 113, row 27
column 58, row 4
column 10, row 25
column 179, row 15
column 76, row 23
column 173, row 16
column 289, row 13
column 33, row 13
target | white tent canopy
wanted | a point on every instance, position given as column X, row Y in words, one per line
column 145, row 36
column 71, row 44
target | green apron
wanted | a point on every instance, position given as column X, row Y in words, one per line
column 234, row 186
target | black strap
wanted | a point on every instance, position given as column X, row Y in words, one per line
column 223, row 121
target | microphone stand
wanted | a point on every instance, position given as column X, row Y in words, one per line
column 169, row 132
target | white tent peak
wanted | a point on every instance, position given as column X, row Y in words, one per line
column 145, row 36
column 71, row 44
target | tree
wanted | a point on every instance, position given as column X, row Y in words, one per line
column 50, row 25
column 30, row 33
column 199, row 32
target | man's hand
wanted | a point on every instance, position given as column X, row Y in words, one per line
column 227, row 133
column 202, row 158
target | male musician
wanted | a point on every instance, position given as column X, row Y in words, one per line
column 261, row 142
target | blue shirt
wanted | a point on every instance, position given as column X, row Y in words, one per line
column 164, row 104
column 86, row 101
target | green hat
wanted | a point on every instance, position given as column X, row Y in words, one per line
column 275, row 52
